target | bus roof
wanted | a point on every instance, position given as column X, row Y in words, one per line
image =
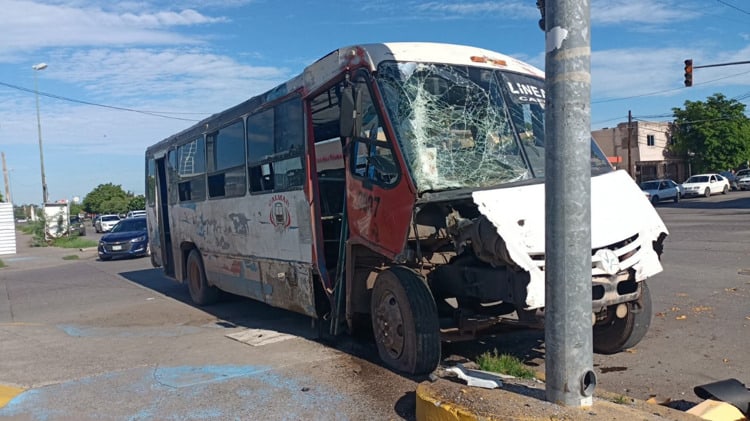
column 322, row 71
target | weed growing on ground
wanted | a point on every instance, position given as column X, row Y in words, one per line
column 505, row 364
column 73, row 242
column 621, row 400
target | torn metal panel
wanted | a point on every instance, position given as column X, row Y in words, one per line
column 235, row 275
column 288, row 285
column 620, row 216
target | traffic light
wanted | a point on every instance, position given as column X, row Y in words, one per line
column 689, row 72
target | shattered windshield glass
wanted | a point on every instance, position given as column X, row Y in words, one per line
column 454, row 125
column 465, row 127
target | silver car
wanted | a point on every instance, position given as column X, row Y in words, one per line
column 743, row 179
column 659, row 190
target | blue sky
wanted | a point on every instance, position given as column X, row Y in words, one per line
column 188, row 59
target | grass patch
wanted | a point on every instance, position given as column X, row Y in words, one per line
column 70, row 257
column 2, row 264
column 505, row 364
column 621, row 400
column 26, row 228
column 73, row 242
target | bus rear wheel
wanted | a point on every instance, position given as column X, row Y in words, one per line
column 200, row 291
column 405, row 322
column 615, row 334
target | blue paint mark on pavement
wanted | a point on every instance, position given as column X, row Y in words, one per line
column 129, row 332
column 209, row 392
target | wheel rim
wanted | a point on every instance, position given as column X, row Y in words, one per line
column 389, row 325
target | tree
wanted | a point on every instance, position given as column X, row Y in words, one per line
column 76, row 208
column 714, row 135
column 107, row 198
column 137, row 203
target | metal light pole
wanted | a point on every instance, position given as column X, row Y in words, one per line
column 38, row 67
column 568, row 335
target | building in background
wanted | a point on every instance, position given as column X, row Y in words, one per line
column 642, row 149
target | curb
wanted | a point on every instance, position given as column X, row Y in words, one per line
column 445, row 400
column 7, row 393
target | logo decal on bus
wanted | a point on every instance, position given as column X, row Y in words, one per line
column 279, row 214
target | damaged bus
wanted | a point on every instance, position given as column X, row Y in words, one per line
column 396, row 188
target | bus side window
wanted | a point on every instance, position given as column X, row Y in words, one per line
column 191, row 168
column 226, row 161
column 275, row 139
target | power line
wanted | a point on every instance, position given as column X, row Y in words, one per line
column 667, row 90
column 733, row 7
column 161, row 114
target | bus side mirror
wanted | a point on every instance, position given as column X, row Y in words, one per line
column 350, row 119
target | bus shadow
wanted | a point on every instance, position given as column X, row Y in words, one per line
column 231, row 310
column 234, row 311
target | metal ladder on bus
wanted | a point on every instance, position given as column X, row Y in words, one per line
column 187, row 161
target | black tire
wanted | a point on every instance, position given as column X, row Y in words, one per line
column 201, row 292
column 405, row 322
column 654, row 200
column 614, row 334
column 725, row 190
column 707, row 193
column 677, row 197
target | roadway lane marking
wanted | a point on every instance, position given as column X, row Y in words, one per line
column 7, row 393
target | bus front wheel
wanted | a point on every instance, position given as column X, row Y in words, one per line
column 615, row 334
column 200, row 291
column 405, row 322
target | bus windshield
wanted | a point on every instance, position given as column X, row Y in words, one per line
column 467, row 127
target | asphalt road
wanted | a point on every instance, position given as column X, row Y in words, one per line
column 116, row 340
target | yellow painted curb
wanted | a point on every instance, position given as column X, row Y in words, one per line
column 430, row 408
column 7, row 393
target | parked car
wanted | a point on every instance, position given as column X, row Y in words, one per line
column 76, row 225
column 105, row 223
column 659, row 190
column 128, row 238
column 743, row 179
column 705, row 184
column 731, row 178
column 136, row 213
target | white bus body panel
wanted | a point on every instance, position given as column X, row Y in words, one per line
column 619, row 210
column 257, row 246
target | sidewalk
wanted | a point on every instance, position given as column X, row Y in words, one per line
column 446, row 400
column 28, row 257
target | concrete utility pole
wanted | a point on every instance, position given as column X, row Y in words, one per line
column 630, row 146
column 7, row 182
column 37, row 68
column 567, row 326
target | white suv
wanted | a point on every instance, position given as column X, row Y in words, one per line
column 136, row 213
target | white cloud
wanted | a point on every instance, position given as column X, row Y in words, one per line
column 639, row 11
column 29, row 25
column 146, row 73
column 509, row 9
column 659, row 72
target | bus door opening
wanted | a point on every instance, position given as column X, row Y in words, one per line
column 163, row 208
